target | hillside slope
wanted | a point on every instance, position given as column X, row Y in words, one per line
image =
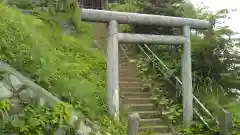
column 67, row 66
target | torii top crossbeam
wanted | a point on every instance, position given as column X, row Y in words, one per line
column 146, row 19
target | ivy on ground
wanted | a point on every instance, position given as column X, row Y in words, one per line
column 34, row 120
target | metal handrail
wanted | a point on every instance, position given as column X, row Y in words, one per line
column 177, row 79
column 123, row 50
column 180, row 82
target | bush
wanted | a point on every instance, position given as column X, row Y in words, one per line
column 65, row 65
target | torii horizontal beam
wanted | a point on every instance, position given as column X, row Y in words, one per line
column 106, row 16
column 129, row 38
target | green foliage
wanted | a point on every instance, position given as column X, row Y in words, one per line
column 4, row 108
column 200, row 129
column 154, row 76
column 50, row 10
column 65, row 65
column 134, row 6
column 23, row 4
column 126, row 6
column 56, row 61
column 38, row 120
column 116, row 127
column 75, row 18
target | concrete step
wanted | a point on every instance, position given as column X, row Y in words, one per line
column 128, row 76
column 127, row 53
column 166, row 134
column 133, row 78
column 136, row 94
column 131, row 87
column 129, row 73
column 141, row 107
column 151, row 122
column 129, row 79
column 127, row 69
column 138, row 100
column 148, row 114
column 122, row 57
column 124, row 89
column 123, row 60
column 137, row 82
column 157, row 129
column 126, row 64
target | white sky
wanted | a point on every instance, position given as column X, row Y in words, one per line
column 214, row 5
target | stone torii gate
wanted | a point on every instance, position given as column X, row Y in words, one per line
column 114, row 18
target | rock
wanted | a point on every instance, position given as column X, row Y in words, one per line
column 73, row 120
column 26, row 95
column 41, row 101
column 98, row 133
column 15, row 82
column 5, row 92
column 16, row 106
column 132, row 61
column 69, row 28
column 60, row 131
column 83, row 129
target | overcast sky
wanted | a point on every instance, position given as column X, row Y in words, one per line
column 215, row 5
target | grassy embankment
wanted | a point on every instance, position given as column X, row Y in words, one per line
column 68, row 66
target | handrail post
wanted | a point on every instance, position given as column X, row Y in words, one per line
column 225, row 123
column 186, row 74
column 133, row 123
column 112, row 70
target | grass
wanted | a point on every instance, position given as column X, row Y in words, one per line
column 65, row 65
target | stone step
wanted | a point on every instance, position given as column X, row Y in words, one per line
column 136, row 94
column 123, row 53
column 151, row 122
column 133, row 78
column 148, row 114
column 128, row 73
column 166, row 134
column 122, row 57
column 125, row 68
column 131, row 87
column 136, row 78
column 137, row 82
column 127, row 64
column 129, row 79
column 127, row 76
column 157, row 129
column 124, row 89
column 141, row 107
column 121, row 61
column 138, row 100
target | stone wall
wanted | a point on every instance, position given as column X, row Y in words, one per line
column 21, row 91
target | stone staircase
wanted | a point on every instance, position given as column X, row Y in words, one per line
column 138, row 100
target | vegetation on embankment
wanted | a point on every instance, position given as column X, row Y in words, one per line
column 68, row 66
